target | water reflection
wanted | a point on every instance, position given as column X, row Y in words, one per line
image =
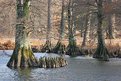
column 15, row 74
column 22, row 74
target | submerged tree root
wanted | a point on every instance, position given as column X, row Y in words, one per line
column 59, row 48
column 46, row 62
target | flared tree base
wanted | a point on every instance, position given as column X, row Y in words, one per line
column 101, row 53
column 22, row 57
column 59, row 48
column 73, row 50
column 47, row 47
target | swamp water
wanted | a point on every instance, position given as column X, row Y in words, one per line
column 78, row 69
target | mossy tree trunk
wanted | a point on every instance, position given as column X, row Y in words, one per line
column 101, row 52
column 22, row 55
column 60, row 48
column 72, row 48
column 47, row 47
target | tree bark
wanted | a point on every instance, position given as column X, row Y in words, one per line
column 62, row 22
column 110, row 28
column 101, row 52
column 60, row 48
column 110, row 24
column 22, row 55
column 49, row 21
column 72, row 48
column 85, row 32
column 47, row 46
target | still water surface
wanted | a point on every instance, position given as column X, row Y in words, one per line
column 79, row 69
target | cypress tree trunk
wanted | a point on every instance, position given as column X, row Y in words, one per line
column 84, row 48
column 81, row 26
column 110, row 24
column 72, row 48
column 110, row 28
column 60, row 48
column 113, row 25
column 85, row 32
column 101, row 52
column 22, row 55
column 86, row 26
column 47, row 46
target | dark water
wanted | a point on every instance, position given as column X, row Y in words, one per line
column 79, row 69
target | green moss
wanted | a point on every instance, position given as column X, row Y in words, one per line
column 26, row 8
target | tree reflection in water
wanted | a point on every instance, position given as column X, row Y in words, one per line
column 22, row 74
